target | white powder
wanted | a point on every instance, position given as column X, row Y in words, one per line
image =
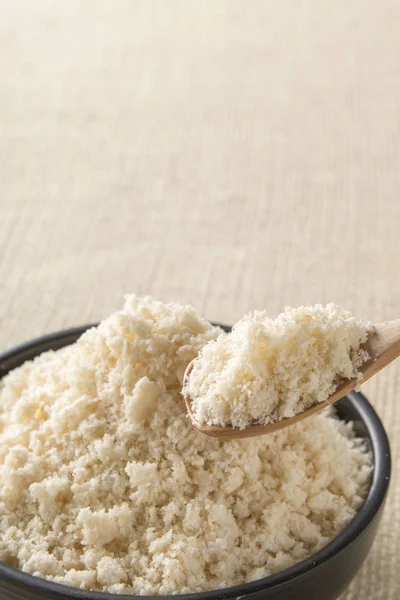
column 266, row 369
column 105, row 484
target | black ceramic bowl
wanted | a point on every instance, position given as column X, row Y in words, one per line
column 323, row 576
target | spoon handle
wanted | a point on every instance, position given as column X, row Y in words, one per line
column 383, row 347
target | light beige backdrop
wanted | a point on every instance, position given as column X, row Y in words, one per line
column 228, row 154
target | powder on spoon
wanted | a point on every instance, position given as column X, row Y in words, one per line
column 267, row 369
column 105, row 484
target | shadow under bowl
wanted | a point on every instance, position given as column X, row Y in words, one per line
column 324, row 575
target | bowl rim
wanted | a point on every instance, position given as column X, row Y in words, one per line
column 374, row 500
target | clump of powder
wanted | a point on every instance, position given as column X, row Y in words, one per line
column 105, row 485
column 267, row 369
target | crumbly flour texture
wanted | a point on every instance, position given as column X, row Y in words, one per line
column 267, row 369
column 105, row 484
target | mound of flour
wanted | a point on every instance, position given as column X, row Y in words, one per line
column 267, row 369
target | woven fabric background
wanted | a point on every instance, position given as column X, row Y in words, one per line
column 228, row 154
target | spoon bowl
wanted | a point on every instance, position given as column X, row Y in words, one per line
column 383, row 346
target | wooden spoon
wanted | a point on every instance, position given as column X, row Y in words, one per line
column 383, row 346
